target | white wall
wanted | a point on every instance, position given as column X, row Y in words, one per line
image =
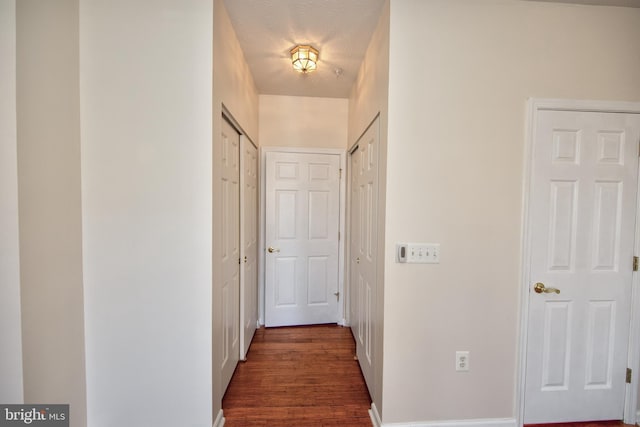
column 233, row 87
column 146, row 95
column 48, row 129
column 456, row 133
column 368, row 99
column 11, row 388
column 299, row 121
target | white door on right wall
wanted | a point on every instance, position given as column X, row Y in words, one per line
column 582, row 222
column 363, row 257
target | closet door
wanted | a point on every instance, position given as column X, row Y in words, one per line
column 363, row 252
column 249, row 239
column 229, row 235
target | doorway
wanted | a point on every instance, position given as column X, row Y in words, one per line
column 303, row 214
column 579, row 248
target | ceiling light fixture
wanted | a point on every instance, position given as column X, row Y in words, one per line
column 304, row 58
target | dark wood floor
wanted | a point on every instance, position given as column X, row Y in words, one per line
column 300, row 376
column 307, row 376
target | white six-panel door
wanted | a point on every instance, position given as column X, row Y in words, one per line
column 249, row 249
column 230, row 241
column 362, row 249
column 302, row 205
column 583, row 208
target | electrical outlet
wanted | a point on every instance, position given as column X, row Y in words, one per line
column 462, row 361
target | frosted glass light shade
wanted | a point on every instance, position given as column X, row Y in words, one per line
column 304, row 58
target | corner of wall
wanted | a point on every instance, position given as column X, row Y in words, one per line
column 12, row 390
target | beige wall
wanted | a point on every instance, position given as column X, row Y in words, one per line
column 368, row 99
column 146, row 101
column 234, row 88
column 233, row 83
column 299, row 121
column 11, row 390
column 48, row 127
column 456, row 135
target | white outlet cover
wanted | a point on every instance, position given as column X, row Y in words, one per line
column 462, row 361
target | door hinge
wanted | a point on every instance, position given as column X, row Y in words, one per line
column 338, row 236
column 340, row 173
column 635, row 263
column 629, row 373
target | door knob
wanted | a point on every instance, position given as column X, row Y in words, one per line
column 272, row 250
column 540, row 288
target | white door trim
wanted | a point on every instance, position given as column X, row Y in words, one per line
column 534, row 106
column 341, row 246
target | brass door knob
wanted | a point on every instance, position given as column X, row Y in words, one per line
column 272, row 250
column 540, row 288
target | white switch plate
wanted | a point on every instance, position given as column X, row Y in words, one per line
column 423, row 253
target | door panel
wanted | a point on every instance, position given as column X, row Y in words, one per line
column 583, row 208
column 230, row 233
column 362, row 249
column 302, row 219
column 249, row 239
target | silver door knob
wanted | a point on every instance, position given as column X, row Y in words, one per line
column 272, row 250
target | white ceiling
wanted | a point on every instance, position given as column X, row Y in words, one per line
column 339, row 29
column 622, row 3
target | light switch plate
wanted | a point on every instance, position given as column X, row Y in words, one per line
column 423, row 253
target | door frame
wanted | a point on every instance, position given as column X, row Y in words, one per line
column 534, row 106
column 341, row 219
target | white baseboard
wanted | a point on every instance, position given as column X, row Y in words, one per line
column 484, row 422
column 219, row 421
column 375, row 416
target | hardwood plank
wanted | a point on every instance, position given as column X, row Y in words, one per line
column 298, row 376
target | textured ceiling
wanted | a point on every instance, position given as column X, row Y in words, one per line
column 339, row 29
column 622, row 3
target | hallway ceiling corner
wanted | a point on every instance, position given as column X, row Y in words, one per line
column 339, row 29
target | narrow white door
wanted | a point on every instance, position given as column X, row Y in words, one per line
column 302, row 219
column 230, row 235
column 362, row 249
column 249, row 249
column 583, row 207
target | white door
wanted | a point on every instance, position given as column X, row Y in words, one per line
column 582, row 218
column 362, row 248
column 302, row 219
column 249, row 249
column 230, row 235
